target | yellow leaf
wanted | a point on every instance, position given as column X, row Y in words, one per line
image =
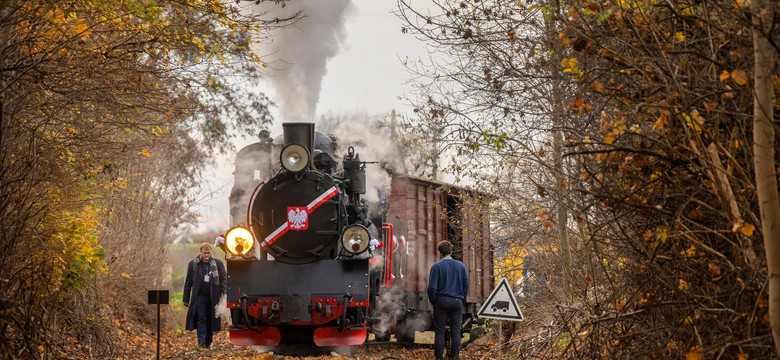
column 145, row 152
column 724, row 76
column 693, row 123
column 609, row 138
column 679, row 36
column 684, row 285
column 125, row 275
column 661, row 234
column 688, row 320
column 739, row 77
column 694, row 354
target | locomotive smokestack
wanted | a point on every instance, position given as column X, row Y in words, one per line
column 302, row 134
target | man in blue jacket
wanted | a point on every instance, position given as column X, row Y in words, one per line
column 448, row 287
column 206, row 278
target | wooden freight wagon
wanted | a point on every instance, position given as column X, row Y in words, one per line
column 421, row 214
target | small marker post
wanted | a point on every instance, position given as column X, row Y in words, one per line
column 158, row 297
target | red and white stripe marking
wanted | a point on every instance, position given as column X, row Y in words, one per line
column 311, row 207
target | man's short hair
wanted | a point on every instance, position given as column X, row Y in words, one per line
column 445, row 247
column 205, row 246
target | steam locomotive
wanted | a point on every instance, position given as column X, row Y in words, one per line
column 308, row 263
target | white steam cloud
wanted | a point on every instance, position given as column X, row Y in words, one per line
column 301, row 53
column 221, row 310
column 389, row 309
column 373, row 144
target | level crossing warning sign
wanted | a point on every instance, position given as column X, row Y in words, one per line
column 501, row 304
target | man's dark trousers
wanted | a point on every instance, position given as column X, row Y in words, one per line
column 203, row 309
column 447, row 308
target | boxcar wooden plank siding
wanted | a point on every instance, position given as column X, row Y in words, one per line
column 424, row 205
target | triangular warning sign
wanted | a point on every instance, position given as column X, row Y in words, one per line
column 501, row 304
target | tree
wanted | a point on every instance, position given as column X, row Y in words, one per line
column 657, row 159
column 766, row 62
column 108, row 110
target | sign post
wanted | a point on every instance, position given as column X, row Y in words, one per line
column 158, row 297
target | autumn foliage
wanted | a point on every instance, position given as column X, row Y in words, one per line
column 108, row 109
column 653, row 101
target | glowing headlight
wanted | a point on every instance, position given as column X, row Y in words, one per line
column 239, row 241
column 355, row 239
column 294, row 157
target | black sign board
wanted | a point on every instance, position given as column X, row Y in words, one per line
column 158, row 297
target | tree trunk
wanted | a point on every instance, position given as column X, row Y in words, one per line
column 560, row 181
column 764, row 154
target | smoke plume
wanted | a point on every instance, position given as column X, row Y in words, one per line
column 301, row 52
column 373, row 144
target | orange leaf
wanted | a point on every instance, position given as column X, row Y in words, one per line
column 724, row 76
column 145, row 152
column 739, row 77
column 745, row 229
column 694, row 354
column 743, row 356
column 662, row 121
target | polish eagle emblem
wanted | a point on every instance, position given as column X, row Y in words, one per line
column 298, row 218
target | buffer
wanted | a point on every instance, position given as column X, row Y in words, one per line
column 501, row 304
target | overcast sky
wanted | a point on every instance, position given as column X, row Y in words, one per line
column 365, row 74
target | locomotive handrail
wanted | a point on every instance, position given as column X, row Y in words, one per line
column 390, row 231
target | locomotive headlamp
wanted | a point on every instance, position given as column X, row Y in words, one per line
column 239, row 241
column 295, row 157
column 355, row 239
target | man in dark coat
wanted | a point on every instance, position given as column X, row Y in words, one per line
column 448, row 287
column 206, row 278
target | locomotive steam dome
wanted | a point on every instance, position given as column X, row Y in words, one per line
column 297, row 216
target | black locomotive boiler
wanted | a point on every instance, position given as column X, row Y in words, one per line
column 298, row 270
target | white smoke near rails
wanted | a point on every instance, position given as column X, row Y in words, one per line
column 299, row 53
column 389, row 310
